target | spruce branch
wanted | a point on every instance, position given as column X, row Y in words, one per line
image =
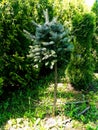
column 87, row 108
column 45, row 12
column 34, row 23
column 29, row 35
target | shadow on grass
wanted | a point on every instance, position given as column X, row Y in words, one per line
column 23, row 103
column 17, row 105
column 76, row 102
column 84, row 112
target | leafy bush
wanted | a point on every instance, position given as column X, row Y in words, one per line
column 95, row 38
column 14, row 16
column 81, row 67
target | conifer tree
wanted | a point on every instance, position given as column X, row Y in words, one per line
column 95, row 37
column 81, row 67
column 50, row 42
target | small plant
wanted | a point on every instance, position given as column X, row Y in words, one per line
column 50, row 44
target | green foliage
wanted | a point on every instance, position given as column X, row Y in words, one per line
column 51, row 42
column 95, row 9
column 90, row 127
column 14, row 64
column 81, row 67
column 84, row 27
column 65, row 10
column 73, row 110
column 16, row 15
column 95, row 37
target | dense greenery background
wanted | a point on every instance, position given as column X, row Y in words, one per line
column 26, row 92
column 16, row 70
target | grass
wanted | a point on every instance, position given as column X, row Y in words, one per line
column 31, row 109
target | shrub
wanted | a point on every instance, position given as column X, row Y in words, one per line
column 81, row 67
column 15, row 68
column 95, row 37
column 14, row 16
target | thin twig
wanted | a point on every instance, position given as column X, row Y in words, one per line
column 84, row 111
column 78, row 102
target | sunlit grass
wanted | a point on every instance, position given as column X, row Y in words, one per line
column 31, row 108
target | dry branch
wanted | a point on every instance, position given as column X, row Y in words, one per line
column 78, row 102
column 84, row 111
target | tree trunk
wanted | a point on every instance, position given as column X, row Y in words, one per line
column 55, row 90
